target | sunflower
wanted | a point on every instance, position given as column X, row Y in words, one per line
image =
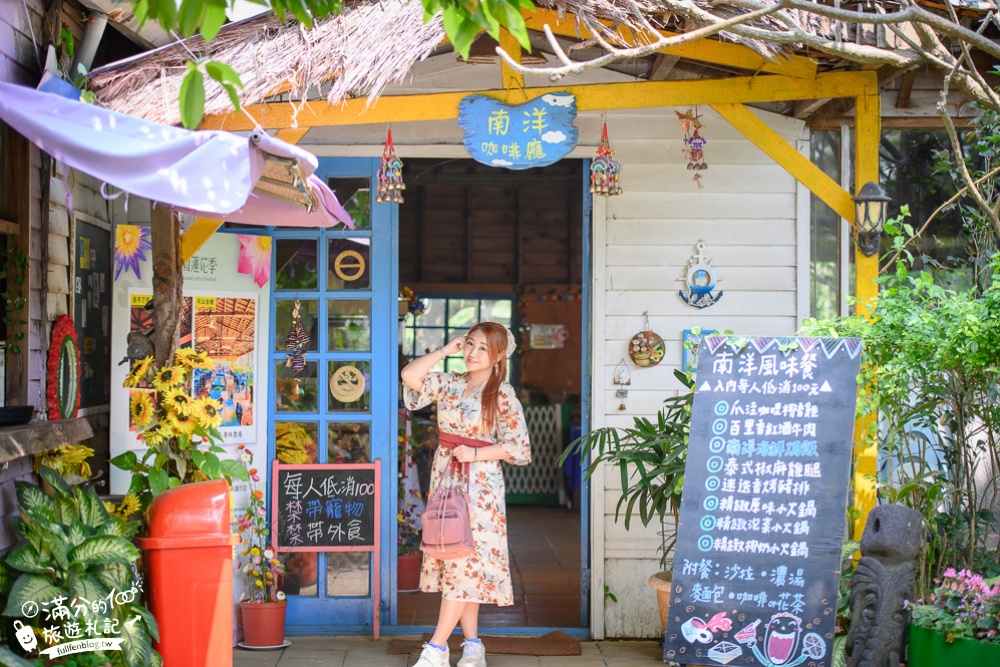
column 188, row 358
column 141, row 408
column 207, row 412
column 169, row 376
column 138, row 372
column 182, row 424
column 155, row 435
column 177, row 400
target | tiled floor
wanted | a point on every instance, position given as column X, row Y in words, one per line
column 545, row 568
column 364, row 652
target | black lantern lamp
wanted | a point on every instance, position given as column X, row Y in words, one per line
column 870, row 206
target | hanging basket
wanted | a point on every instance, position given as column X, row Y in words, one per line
column 263, row 623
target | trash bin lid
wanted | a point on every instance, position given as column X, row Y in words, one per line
column 200, row 509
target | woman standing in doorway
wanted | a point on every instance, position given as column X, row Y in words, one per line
column 480, row 423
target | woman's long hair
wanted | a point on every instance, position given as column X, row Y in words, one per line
column 496, row 342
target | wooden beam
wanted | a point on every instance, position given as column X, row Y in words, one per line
column 9, row 228
column 905, row 90
column 783, row 153
column 509, row 77
column 704, row 49
column 867, row 138
column 589, row 97
column 662, row 66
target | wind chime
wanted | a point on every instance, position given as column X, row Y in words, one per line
column 694, row 143
column 390, row 175
column 605, row 173
column 297, row 342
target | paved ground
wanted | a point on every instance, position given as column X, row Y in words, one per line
column 364, row 652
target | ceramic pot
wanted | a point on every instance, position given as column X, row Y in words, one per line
column 928, row 648
column 408, row 572
column 263, row 623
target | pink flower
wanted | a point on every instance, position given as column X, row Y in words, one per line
column 255, row 257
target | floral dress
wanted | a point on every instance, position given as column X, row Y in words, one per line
column 483, row 577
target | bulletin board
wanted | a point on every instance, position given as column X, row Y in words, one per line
column 92, row 312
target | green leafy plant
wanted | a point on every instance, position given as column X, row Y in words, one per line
column 180, row 431
column 14, row 271
column 650, row 456
column 963, row 606
column 76, row 556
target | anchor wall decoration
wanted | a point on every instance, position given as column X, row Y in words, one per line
column 701, row 279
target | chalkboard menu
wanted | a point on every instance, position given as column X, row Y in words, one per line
column 326, row 507
column 763, row 508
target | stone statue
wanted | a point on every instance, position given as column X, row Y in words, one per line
column 883, row 580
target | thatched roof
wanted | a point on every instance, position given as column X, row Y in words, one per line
column 373, row 45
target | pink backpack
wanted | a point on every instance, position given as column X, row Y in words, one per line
column 447, row 531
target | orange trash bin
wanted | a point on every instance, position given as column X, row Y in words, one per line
column 188, row 558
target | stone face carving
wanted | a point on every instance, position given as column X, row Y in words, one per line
column 883, row 580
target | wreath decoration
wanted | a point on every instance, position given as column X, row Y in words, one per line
column 63, row 328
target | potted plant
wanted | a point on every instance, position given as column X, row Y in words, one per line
column 408, row 556
column 650, row 455
column 958, row 624
column 263, row 605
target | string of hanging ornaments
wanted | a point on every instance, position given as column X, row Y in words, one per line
column 694, row 143
column 605, row 173
column 390, row 175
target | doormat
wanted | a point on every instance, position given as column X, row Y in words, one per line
column 554, row 643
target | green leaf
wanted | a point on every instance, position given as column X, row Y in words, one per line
column 215, row 17
column 191, row 16
column 55, row 480
column 92, row 512
column 30, row 588
column 66, row 510
column 126, row 461
column 234, row 470
column 158, row 481
column 137, row 646
column 76, row 534
column 226, row 77
column 87, row 587
column 104, row 549
column 152, row 627
column 25, row 557
column 30, row 497
column 192, row 99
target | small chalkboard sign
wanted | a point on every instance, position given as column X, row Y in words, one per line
column 326, row 507
column 762, row 514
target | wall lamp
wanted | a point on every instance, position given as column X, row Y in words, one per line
column 870, row 206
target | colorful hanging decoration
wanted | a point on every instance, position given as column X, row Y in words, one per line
column 131, row 244
column 694, row 143
column 390, row 175
column 297, row 341
column 646, row 347
column 255, row 257
column 700, row 279
column 605, row 173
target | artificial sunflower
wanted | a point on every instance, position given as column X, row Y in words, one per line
column 188, row 358
column 177, row 400
column 141, row 408
column 207, row 412
column 182, row 424
column 156, row 434
column 170, row 376
column 138, row 372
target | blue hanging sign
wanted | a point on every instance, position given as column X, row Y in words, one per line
column 534, row 134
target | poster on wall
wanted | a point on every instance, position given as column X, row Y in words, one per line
column 757, row 562
column 222, row 314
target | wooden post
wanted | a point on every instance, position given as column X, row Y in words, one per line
column 168, row 284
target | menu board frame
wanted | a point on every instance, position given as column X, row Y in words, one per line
column 375, row 547
column 755, row 573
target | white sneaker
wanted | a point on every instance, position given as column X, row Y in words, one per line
column 432, row 657
column 473, row 654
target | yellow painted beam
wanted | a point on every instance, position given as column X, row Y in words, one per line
column 509, row 77
column 796, row 164
column 703, row 50
column 589, row 97
column 202, row 228
column 867, row 135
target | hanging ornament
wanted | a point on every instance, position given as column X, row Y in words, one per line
column 390, row 175
column 646, row 347
column 297, row 341
column 605, row 173
column 694, row 143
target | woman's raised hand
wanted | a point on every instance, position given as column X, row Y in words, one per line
column 454, row 346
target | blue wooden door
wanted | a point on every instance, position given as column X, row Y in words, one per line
column 345, row 283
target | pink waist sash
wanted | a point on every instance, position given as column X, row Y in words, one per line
column 451, row 441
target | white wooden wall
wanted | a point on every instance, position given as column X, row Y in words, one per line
column 753, row 218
